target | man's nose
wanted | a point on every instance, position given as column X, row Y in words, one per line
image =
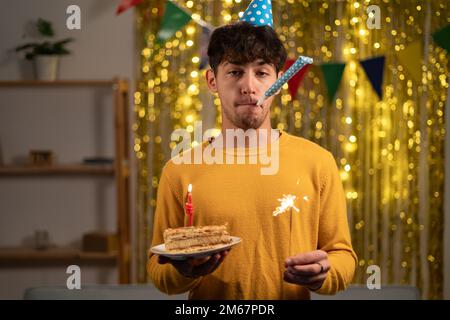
column 248, row 84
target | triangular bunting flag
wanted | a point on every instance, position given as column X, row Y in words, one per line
column 173, row 20
column 295, row 81
column 204, row 41
column 332, row 72
column 374, row 68
column 442, row 38
column 126, row 4
column 411, row 58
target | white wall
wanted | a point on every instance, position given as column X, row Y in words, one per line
column 103, row 47
column 73, row 122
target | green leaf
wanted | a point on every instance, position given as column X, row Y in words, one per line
column 26, row 46
column 45, row 28
column 47, row 47
column 44, row 48
column 63, row 42
column 63, row 51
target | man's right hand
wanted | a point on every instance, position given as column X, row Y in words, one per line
column 196, row 267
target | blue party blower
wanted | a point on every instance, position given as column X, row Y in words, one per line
column 296, row 66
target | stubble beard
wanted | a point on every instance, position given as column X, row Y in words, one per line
column 247, row 120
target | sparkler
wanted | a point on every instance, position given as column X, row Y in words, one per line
column 286, row 203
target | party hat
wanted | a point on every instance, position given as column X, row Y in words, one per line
column 259, row 13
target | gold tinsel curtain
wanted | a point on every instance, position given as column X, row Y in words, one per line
column 390, row 152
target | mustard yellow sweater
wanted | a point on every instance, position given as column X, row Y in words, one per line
column 240, row 196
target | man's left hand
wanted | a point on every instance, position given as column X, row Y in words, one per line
column 308, row 269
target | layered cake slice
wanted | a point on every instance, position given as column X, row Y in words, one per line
column 192, row 239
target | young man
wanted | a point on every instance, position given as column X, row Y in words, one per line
column 281, row 256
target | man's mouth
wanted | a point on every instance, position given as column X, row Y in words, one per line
column 251, row 103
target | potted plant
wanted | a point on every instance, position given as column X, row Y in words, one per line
column 45, row 55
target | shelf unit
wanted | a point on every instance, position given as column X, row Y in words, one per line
column 119, row 170
column 59, row 83
column 13, row 257
column 75, row 169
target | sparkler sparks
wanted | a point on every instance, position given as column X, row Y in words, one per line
column 286, row 203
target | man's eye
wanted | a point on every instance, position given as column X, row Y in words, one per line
column 234, row 72
column 262, row 74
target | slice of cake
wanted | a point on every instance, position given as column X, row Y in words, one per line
column 192, row 239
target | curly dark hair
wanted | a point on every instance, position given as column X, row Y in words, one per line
column 242, row 42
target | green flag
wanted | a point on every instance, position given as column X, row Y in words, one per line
column 442, row 38
column 173, row 20
column 332, row 73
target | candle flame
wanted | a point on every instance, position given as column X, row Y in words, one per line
column 286, row 203
column 190, row 187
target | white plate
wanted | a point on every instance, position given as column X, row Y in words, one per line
column 161, row 250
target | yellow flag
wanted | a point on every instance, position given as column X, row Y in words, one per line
column 411, row 59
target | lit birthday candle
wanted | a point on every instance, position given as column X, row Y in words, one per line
column 189, row 206
column 296, row 66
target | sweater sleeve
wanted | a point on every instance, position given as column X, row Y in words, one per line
column 169, row 214
column 334, row 235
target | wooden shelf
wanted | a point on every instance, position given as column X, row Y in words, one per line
column 40, row 83
column 119, row 170
column 57, row 170
column 26, row 256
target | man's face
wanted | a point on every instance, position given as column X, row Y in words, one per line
column 239, row 88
